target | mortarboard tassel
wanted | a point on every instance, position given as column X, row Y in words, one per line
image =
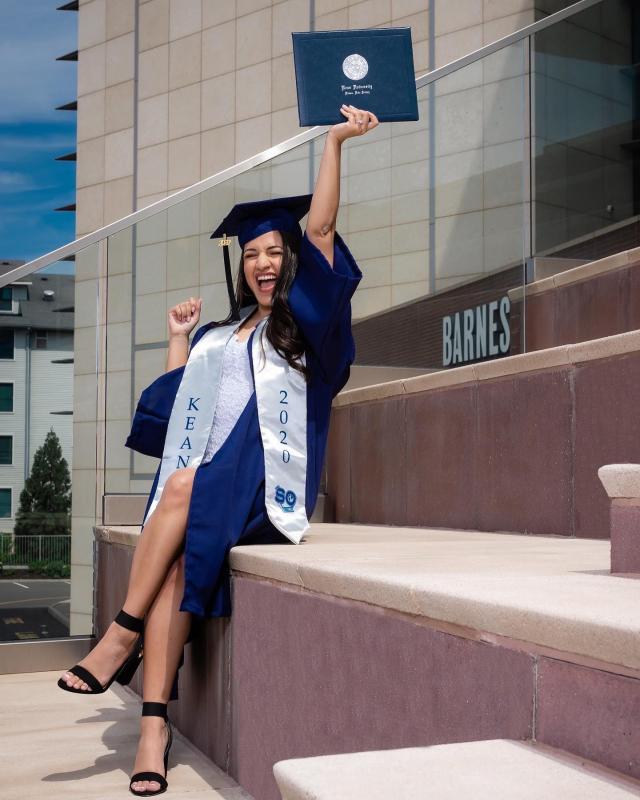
column 224, row 244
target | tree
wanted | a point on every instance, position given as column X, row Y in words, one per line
column 45, row 501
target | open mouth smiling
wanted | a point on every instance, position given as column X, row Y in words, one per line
column 266, row 281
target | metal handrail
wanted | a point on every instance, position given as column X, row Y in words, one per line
column 273, row 152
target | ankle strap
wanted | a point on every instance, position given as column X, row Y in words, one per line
column 130, row 623
column 154, row 710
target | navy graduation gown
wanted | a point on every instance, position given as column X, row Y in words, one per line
column 227, row 505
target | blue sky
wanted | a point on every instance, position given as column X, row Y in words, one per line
column 32, row 83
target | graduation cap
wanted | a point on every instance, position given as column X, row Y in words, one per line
column 250, row 220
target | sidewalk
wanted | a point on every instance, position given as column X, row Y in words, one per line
column 57, row 745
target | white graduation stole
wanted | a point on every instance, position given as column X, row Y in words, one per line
column 281, row 394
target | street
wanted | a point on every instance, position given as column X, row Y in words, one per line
column 33, row 609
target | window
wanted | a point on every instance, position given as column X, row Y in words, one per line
column 6, row 397
column 6, row 449
column 6, row 342
column 6, row 296
column 5, row 503
column 41, row 340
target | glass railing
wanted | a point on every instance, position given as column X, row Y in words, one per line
column 52, row 323
column 519, row 153
column 452, row 232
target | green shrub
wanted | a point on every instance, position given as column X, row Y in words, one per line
column 50, row 569
column 5, row 548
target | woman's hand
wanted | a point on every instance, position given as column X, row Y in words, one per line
column 183, row 317
column 357, row 123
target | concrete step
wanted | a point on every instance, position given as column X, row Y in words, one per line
column 368, row 637
column 547, row 266
column 366, row 375
column 68, row 746
column 491, row 770
column 436, row 636
column 553, row 592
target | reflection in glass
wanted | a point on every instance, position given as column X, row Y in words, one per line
column 585, row 144
column 39, row 372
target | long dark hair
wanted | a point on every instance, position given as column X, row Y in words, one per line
column 281, row 328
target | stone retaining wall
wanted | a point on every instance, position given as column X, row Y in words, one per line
column 508, row 445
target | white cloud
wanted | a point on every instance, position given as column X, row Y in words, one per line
column 14, row 182
column 52, row 143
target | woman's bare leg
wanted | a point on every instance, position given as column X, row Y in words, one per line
column 166, row 631
column 160, row 541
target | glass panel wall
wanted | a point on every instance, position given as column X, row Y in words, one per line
column 585, row 177
column 50, row 362
column 451, row 222
column 586, row 142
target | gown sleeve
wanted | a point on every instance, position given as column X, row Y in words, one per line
column 151, row 418
column 320, row 302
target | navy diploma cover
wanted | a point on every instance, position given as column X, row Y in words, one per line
column 370, row 69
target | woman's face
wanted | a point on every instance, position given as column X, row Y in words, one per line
column 262, row 260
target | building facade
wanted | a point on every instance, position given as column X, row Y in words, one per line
column 36, row 378
column 172, row 91
column 521, row 162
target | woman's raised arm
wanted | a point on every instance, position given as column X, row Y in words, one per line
column 321, row 222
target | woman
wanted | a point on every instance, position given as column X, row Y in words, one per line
column 301, row 288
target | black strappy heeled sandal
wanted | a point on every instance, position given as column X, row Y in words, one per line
column 124, row 674
column 154, row 710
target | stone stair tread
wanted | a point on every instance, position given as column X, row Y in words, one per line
column 554, row 592
column 487, row 770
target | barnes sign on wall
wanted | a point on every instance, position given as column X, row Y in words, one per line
column 476, row 333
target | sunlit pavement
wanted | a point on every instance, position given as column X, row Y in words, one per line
column 58, row 745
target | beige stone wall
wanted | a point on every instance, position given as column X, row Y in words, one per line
column 106, row 72
column 88, row 430
column 216, row 85
column 215, row 82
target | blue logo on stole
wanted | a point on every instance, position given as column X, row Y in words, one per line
column 285, row 498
